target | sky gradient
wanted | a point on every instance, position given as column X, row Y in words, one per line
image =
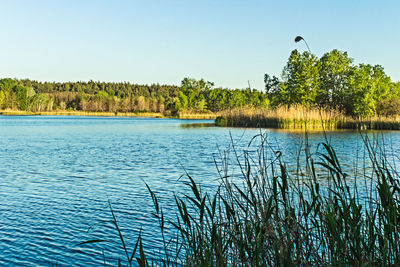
column 226, row 42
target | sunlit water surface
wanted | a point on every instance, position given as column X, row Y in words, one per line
column 58, row 173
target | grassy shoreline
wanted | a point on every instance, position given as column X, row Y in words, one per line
column 302, row 118
column 78, row 113
column 294, row 118
column 187, row 115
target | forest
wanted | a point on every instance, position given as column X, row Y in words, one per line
column 330, row 82
column 193, row 95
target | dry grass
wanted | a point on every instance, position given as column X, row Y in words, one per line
column 80, row 113
column 298, row 117
column 181, row 115
column 197, row 116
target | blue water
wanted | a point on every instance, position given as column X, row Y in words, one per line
column 58, row 173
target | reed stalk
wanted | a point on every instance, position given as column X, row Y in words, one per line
column 299, row 117
column 267, row 214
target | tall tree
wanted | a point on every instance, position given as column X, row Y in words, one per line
column 301, row 83
column 334, row 74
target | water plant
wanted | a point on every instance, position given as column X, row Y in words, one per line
column 300, row 117
column 267, row 213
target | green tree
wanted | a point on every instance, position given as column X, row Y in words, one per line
column 360, row 97
column 381, row 84
column 21, row 93
column 193, row 88
column 181, row 102
column 273, row 89
column 7, row 84
column 40, row 102
column 334, row 75
column 201, row 104
column 2, row 98
column 301, row 82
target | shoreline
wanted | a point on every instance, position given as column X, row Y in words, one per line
column 301, row 118
column 186, row 116
column 79, row 113
column 236, row 120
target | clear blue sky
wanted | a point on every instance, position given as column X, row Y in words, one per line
column 227, row 42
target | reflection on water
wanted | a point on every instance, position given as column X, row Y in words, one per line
column 197, row 125
column 58, row 173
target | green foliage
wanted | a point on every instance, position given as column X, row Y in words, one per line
column 360, row 99
column 331, row 82
column 389, row 107
column 301, row 82
column 194, row 95
column 102, row 95
column 111, row 92
column 273, row 89
column 21, row 93
column 334, row 75
column 2, row 98
column 334, row 82
column 7, row 84
column 182, row 102
column 272, row 214
column 41, row 102
column 201, row 104
column 15, row 95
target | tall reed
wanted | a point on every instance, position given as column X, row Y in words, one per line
column 299, row 117
column 191, row 114
column 318, row 215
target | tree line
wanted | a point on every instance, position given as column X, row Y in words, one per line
column 334, row 81
column 193, row 95
column 331, row 82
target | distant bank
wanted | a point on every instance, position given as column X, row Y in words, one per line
column 203, row 116
column 293, row 118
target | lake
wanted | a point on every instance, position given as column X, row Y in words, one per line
column 59, row 173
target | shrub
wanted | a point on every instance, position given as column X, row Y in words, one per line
column 389, row 107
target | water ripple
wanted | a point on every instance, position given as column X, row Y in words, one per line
column 57, row 175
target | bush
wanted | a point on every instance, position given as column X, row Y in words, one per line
column 389, row 107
